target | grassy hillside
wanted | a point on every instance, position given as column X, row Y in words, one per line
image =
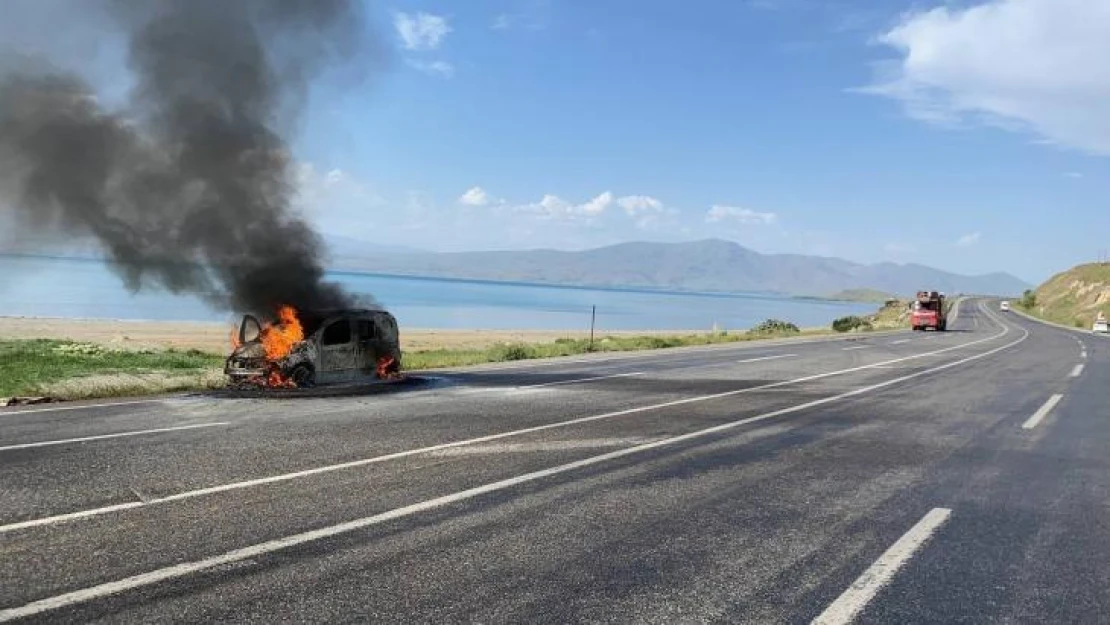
column 895, row 313
column 1073, row 297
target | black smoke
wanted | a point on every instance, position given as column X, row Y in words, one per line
column 187, row 186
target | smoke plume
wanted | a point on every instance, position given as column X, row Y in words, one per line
column 188, row 186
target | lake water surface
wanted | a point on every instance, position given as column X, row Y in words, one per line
column 55, row 287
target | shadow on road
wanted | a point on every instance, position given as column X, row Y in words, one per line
column 403, row 384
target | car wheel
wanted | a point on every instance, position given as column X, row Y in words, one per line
column 303, row 376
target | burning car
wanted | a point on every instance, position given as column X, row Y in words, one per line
column 300, row 349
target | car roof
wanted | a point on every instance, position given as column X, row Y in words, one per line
column 313, row 319
column 331, row 312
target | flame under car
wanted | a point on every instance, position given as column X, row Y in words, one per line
column 338, row 346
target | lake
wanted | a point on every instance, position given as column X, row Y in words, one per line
column 78, row 288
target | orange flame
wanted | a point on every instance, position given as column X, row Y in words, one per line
column 278, row 338
column 276, row 380
column 385, row 367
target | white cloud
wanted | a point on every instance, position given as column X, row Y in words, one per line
column 1072, row 174
column 634, row 204
column 475, row 196
column 553, row 204
column 719, row 213
column 1033, row 65
column 433, row 68
column 422, row 31
column 968, row 239
column 597, row 205
column 555, row 207
column 528, row 14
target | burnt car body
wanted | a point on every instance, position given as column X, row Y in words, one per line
column 339, row 346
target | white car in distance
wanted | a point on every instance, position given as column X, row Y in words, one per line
column 1004, row 306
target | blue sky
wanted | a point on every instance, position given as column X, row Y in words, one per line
column 968, row 136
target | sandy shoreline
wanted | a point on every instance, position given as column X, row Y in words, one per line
column 216, row 337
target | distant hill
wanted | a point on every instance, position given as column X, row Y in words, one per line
column 709, row 265
column 1075, row 296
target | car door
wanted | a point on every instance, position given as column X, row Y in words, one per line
column 367, row 346
column 388, row 342
column 250, row 330
column 338, row 353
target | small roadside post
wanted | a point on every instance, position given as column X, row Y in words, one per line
column 593, row 318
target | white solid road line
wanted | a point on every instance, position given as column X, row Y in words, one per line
column 246, row 553
column 762, row 358
column 848, row 605
column 619, row 357
column 848, row 349
column 81, row 514
column 11, row 413
column 1076, row 372
column 900, row 342
column 512, row 389
column 100, row 437
column 1042, row 412
column 577, row 380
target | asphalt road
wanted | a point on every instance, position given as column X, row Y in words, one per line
column 896, row 478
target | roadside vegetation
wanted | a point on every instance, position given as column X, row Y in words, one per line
column 1073, row 297
column 440, row 358
column 69, row 370
column 852, row 323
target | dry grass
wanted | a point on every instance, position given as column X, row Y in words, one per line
column 894, row 314
column 1076, row 296
column 129, row 384
column 215, row 338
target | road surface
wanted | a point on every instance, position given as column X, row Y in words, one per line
column 896, row 478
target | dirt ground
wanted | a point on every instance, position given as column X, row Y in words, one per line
column 216, row 337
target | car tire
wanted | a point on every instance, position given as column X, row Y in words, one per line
column 303, row 376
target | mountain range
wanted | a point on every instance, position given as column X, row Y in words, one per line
column 708, row 265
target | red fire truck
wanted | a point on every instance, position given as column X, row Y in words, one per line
column 929, row 311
